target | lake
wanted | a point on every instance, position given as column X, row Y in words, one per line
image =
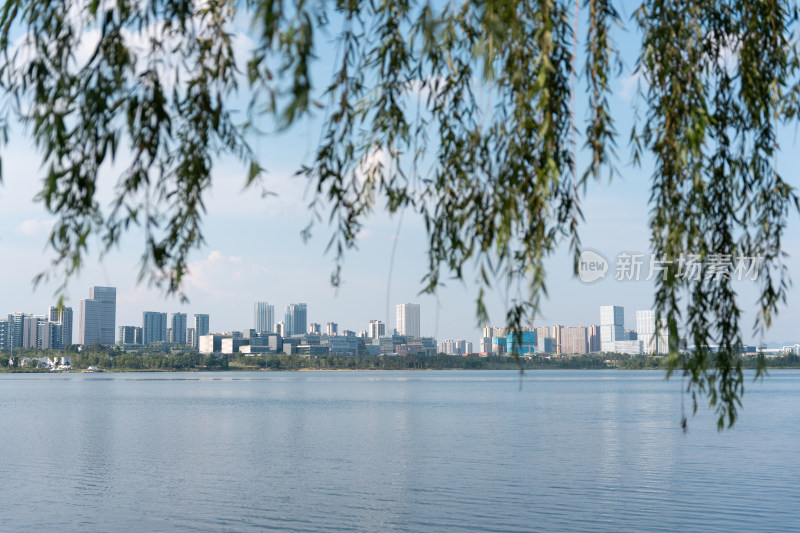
column 392, row 451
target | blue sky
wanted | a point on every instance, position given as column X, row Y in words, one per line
column 254, row 250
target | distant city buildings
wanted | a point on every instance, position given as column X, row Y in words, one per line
column 295, row 319
column 130, row 335
column 63, row 317
column 297, row 335
column 98, row 315
column 594, row 339
column 201, row 327
column 264, row 317
column 408, row 320
column 376, row 330
column 154, row 327
column 612, row 326
column 574, row 340
column 521, row 342
column 455, row 347
column 178, row 328
column 652, row 342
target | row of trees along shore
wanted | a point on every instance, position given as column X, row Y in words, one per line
column 114, row 359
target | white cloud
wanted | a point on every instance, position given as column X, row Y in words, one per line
column 631, row 85
column 225, row 276
column 33, row 227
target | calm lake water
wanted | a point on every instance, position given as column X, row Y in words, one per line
column 392, row 451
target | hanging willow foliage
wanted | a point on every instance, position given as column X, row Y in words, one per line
column 458, row 111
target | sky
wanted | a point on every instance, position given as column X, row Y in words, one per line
column 254, row 251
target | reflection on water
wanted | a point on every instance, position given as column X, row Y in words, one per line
column 401, row 451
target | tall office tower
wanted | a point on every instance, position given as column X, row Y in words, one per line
column 377, row 329
column 107, row 298
column 179, row 328
column 89, row 324
column 154, row 327
column 280, row 329
column 264, row 317
column 408, row 320
column 652, row 341
column 612, row 326
column 295, row 319
column 594, row 339
column 315, row 329
column 332, row 329
column 201, row 327
column 191, row 338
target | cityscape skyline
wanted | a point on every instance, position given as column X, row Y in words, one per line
column 174, row 327
column 98, row 312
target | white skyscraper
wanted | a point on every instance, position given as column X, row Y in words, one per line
column 264, row 317
column 408, row 320
column 646, row 329
column 377, row 329
column 652, row 342
column 612, row 326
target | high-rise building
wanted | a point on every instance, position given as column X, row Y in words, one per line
column 594, row 339
column 107, row 296
column 280, row 329
column 178, row 328
column 98, row 316
column 295, row 320
column 574, row 340
column 377, row 329
column 453, row 347
column 521, row 342
column 652, row 342
column 264, row 317
column 30, row 330
column 65, row 319
column 332, row 329
column 407, row 320
column 201, row 327
column 154, row 327
column 612, row 326
column 89, row 324
column 130, row 335
column 558, row 335
column 315, row 329
column 5, row 334
column 49, row 335
column 16, row 323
